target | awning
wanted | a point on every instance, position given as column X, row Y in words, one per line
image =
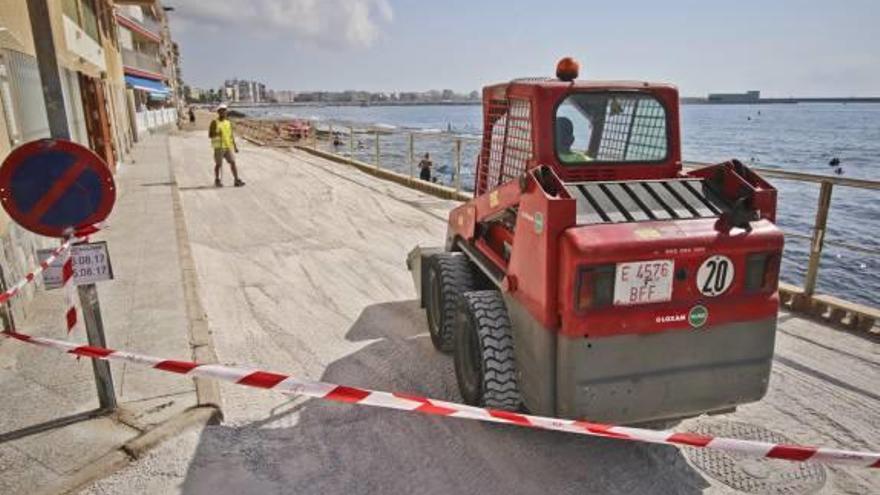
column 144, row 84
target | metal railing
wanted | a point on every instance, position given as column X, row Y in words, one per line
column 817, row 237
column 145, row 61
column 147, row 120
column 399, row 151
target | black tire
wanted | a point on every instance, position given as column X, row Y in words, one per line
column 449, row 274
column 485, row 366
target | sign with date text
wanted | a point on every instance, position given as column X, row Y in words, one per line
column 91, row 263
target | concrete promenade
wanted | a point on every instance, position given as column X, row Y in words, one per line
column 144, row 310
column 302, row 271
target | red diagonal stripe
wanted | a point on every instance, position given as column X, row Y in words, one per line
column 182, row 367
column 600, row 429
column 262, row 379
column 415, row 398
column 67, row 270
column 510, row 416
column 89, row 351
column 347, row 394
column 71, row 319
column 429, row 408
column 876, row 464
column 56, row 191
column 791, row 452
column 30, row 276
column 690, row 439
column 19, row 336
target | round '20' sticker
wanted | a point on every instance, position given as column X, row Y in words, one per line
column 715, row 275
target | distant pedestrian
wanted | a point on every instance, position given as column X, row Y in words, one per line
column 223, row 142
column 192, row 116
column 425, row 168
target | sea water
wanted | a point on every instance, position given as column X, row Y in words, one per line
column 794, row 137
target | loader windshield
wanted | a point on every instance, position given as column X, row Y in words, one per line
column 610, row 127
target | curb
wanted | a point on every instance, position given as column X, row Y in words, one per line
column 200, row 340
column 208, row 404
column 134, row 449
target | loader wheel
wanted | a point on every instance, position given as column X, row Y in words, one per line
column 484, row 359
column 448, row 276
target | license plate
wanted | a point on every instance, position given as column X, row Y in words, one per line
column 643, row 282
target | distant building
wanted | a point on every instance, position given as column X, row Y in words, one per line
column 150, row 58
column 285, row 96
column 245, row 91
column 747, row 97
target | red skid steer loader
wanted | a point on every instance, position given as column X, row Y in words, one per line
column 590, row 276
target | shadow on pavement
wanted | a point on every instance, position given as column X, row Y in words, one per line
column 321, row 447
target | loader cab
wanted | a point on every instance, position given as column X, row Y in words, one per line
column 619, row 130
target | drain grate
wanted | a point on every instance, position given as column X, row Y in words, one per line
column 750, row 474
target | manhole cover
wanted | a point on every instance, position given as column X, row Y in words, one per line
column 752, row 474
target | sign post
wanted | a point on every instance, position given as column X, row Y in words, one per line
column 57, row 188
column 91, row 308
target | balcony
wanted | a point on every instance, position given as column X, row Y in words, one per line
column 142, row 61
column 145, row 27
column 81, row 44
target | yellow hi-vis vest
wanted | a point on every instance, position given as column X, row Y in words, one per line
column 222, row 135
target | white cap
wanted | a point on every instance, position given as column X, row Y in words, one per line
column 221, row 106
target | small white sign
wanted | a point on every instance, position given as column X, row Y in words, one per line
column 643, row 282
column 91, row 263
column 715, row 275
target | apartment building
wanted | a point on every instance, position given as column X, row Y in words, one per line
column 95, row 62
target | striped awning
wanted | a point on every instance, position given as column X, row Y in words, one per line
column 155, row 88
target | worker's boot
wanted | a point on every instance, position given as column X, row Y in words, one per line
column 238, row 183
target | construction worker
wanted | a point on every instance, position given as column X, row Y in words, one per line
column 564, row 140
column 223, row 141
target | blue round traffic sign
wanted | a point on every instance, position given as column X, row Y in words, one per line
column 56, row 188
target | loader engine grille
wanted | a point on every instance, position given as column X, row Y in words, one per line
column 635, row 201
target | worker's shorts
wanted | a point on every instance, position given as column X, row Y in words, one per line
column 220, row 154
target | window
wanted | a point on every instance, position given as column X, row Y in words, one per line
column 90, row 19
column 84, row 15
column 610, row 127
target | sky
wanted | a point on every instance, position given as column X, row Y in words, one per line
column 780, row 47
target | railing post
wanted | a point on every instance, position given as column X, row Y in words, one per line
column 313, row 130
column 351, row 144
column 818, row 240
column 412, row 156
column 377, row 148
column 457, row 166
column 331, row 140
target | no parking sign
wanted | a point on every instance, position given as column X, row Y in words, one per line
column 56, row 188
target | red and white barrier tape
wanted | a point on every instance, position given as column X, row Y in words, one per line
column 64, row 249
column 70, row 316
column 30, row 277
column 407, row 402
